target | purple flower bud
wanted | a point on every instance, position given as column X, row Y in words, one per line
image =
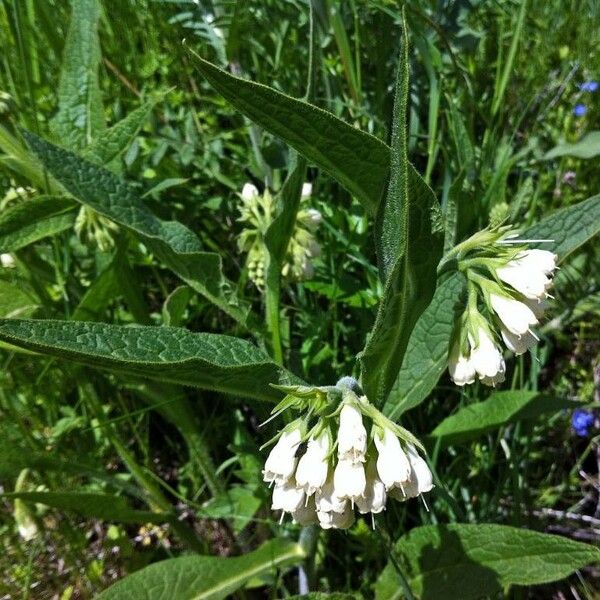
column 588, row 86
column 579, row 110
column 582, row 420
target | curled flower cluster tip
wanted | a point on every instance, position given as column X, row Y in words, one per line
column 322, row 474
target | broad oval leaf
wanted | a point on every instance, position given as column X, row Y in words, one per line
column 501, row 408
column 587, row 147
column 204, row 577
column 205, row 360
column 173, row 243
column 479, row 560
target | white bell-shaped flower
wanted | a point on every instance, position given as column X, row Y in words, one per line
column 392, row 462
column 349, row 480
column 326, row 499
column 344, row 520
column 529, row 273
column 287, row 497
column 518, row 344
column 281, row 462
column 461, row 368
column 313, row 466
column 543, row 260
column 306, row 190
column 306, row 514
column 486, row 357
column 352, row 435
column 326, row 518
column 421, row 479
column 249, row 191
column 375, row 494
column 516, row 316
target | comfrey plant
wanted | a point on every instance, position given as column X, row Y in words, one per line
column 326, row 462
column 257, row 213
column 508, row 286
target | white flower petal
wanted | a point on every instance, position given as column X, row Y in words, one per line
column 516, row 316
column 349, row 479
column 392, row 462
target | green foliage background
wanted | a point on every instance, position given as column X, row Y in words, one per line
column 133, row 447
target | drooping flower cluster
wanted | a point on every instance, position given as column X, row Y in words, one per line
column 322, row 471
column 257, row 212
column 508, row 287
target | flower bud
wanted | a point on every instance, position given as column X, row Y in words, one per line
column 421, row 479
column 249, row 191
column 306, row 190
column 392, row 462
column 352, row 435
column 7, row 261
column 461, row 368
column 375, row 494
column 486, row 358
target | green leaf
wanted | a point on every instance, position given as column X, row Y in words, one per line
column 587, row 147
column 32, row 220
column 173, row 243
column 15, row 302
column 501, row 408
column 80, row 116
column 93, row 506
column 174, row 306
column 323, row 596
column 358, row 160
column 479, row 560
column 427, row 353
column 110, row 144
column 410, row 248
column 171, row 354
column 203, row 577
column 568, row 228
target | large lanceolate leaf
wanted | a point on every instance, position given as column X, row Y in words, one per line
column 568, row 228
column 500, row 409
column 175, row 355
column 587, row 147
column 80, row 115
column 93, row 506
column 477, row 560
column 427, row 352
column 359, row 161
column 32, row 220
column 204, row 577
column 409, row 248
column 173, row 243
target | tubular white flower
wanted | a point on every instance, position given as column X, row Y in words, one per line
column 516, row 316
column 306, row 514
column 518, row 344
column 249, row 191
column 325, row 518
column 486, row 358
column 421, row 479
column 306, row 190
column 528, row 273
column 345, row 519
column 460, row 367
column 375, row 494
column 287, row 497
column 392, row 462
column 349, row 480
column 352, row 435
column 326, row 499
column 281, row 462
column 313, row 466
column 544, row 260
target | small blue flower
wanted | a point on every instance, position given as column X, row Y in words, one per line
column 582, row 420
column 579, row 110
column 589, row 86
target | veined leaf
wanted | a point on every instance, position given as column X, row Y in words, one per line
column 427, row 352
column 80, row 115
column 410, row 248
column 110, row 144
column 479, row 560
column 93, row 506
column 568, row 228
column 15, row 302
column 32, row 220
column 358, row 160
column 205, row 360
column 501, row 408
column 203, row 577
column 173, row 243
column 587, row 147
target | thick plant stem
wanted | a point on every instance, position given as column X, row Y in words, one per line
column 309, row 536
column 273, row 319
